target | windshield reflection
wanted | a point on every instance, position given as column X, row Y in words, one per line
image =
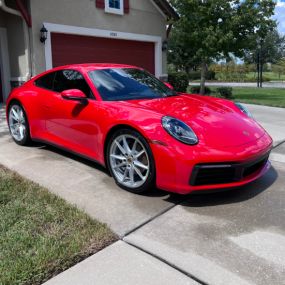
column 119, row 84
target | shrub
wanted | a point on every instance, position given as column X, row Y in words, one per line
column 211, row 75
column 196, row 90
column 225, row 92
column 253, row 79
column 196, row 75
column 179, row 81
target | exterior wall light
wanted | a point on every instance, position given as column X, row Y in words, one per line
column 44, row 32
column 165, row 45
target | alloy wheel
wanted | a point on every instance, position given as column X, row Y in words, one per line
column 129, row 161
column 17, row 123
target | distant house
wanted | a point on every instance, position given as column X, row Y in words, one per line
column 118, row 31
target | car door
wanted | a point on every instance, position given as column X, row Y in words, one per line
column 72, row 124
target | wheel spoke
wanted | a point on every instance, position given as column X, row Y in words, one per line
column 132, row 174
column 21, row 131
column 125, row 174
column 122, row 150
column 140, row 165
column 14, row 117
column 139, row 173
column 134, row 147
column 15, row 114
column 119, row 157
column 126, row 145
column 139, row 154
column 120, row 165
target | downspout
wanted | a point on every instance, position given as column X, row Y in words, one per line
column 26, row 32
column 169, row 28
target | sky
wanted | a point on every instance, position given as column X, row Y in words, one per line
column 280, row 15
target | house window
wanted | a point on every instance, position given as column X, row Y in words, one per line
column 114, row 6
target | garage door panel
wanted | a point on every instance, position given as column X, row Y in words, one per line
column 70, row 49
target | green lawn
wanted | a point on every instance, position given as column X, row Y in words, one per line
column 272, row 76
column 274, row 97
column 262, row 96
column 40, row 234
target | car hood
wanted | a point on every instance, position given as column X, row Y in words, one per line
column 216, row 122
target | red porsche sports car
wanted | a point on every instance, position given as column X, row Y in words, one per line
column 144, row 132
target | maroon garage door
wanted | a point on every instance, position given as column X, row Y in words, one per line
column 69, row 49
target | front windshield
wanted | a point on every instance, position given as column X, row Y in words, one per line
column 119, row 84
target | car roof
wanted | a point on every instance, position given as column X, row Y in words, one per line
column 95, row 66
column 85, row 67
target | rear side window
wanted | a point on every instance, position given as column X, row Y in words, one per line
column 71, row 79
column 46, row 81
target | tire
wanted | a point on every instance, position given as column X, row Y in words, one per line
column 131, row 166
column 18, row 124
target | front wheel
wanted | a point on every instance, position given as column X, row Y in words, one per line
column 18, row 124
column 130, row 161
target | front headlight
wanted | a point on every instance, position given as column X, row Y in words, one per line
column 244, row 109
column 179, row 130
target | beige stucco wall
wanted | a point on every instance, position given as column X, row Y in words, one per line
column 143, row 18
column 16, row 44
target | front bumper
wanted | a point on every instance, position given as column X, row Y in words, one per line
column 184, row 169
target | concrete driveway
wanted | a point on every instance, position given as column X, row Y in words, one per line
column 237, row 237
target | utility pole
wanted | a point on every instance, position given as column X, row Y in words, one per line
column 258, row 68
column 261, row 64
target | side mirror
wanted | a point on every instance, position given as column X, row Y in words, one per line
column 168, row 85
column 74, row 95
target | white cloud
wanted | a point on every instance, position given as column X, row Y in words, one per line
column 280, row 15
column 280, row 3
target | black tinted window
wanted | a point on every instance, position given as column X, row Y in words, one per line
column 46, row 81
column 71, row 79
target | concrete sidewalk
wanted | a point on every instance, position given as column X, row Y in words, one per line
column 272, row 119
column 121, row 263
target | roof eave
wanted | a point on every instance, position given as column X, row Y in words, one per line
column 167, row 9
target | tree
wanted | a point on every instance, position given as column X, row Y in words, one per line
column 279, row 68
column 212, row 29
column 269, row 48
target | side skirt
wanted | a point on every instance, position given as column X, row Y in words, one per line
column 69, row 151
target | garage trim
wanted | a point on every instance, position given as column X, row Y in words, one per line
column 74, row 30
column 4, row 64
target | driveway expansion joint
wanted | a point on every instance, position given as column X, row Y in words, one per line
column 151, row 219
column 122, row 238
column 168, row 263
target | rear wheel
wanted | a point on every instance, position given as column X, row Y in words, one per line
column 18, row 124
column 130, row 161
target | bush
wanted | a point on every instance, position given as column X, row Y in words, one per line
column 196, row 90
column 211, row 75
column 179, row 81
column 196, row 75
column 226, row 92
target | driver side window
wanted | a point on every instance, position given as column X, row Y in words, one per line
column 71, row 79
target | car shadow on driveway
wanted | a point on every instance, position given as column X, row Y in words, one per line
column 197, row 199
column 234, row 195
column 169, row 197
